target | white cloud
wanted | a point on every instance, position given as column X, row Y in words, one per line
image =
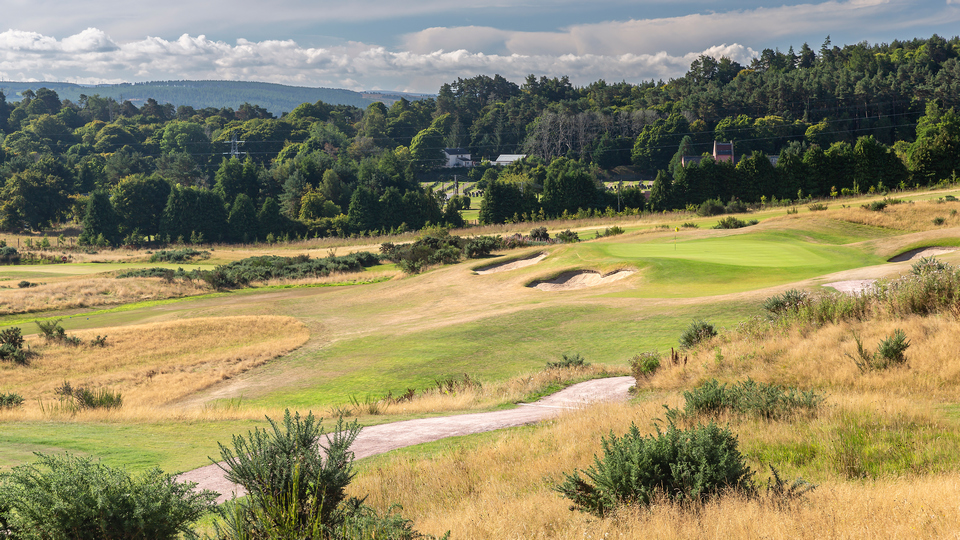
column 674, row 34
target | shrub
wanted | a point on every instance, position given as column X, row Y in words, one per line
column 11, row 346
column 748, row 398
column 817, row 207
column 710, row 207
column 875, row 206
column 65, row 496
column 928, row 265
column 568, row 237
column 85, row 398
column 179, row 255
column 10, row 401
column 731, row 222
column 698, row 331
column 610, row 231
column 789, row 302
column 690, row 225
column 25, row 284
column 691, row 465
column 294, row 481
column 9, row 255
column 939, row 220
column 736, row 206
column 481, row 246
column 890, row 352
column 539, row 234
column 568, row 361
column 645, row 364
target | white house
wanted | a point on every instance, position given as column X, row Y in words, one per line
column 506, row 159
column 458, row 157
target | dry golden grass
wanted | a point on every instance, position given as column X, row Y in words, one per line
column 910, row 216
column 152, row 365
column 91, row 292
column 333, row 279
column 503, row 488
column 819, row 358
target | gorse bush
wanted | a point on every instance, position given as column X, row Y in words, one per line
column 9, row 255
column 85, row 398
column 691, row 465
column 568, row 361
column 817, row 207
column 748, row 398
column 711, row 207
column 52, row 331
column 789, row 302
column 568, row 237
column 539, row 234
column 731, row 222
column 179, row 255
column 77, row 498
column 891, row 352
column 10, row 401
column 645, row 364
column 610, row 231
column 11, row 346
column 698, row 331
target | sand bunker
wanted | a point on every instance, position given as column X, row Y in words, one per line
column 512, row 265
column 853, row 286
column 922, row 252
column 579, row 280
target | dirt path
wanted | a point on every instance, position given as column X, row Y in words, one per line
column 375, row 440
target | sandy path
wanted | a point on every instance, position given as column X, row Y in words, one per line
column 919, row 253
column 375, row 440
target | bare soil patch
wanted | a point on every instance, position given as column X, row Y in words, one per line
column 569, row 281
column 513, row 265
column 919, row 253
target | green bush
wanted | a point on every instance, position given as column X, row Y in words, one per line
column 939, row 221
column 928, row 265
column 891, row 352
column 11, row 346
column 610, row 231
column 731, row 222
column 295, row 476
column 711, row 207
column 875, row 206
column 9, row 255
column 179, row 255
column 540, row 234
column 817, row 207
column 10, row 401
column 691, row 465
column 698, row 331
column 85, row 398
column 789, row 302
column 568, row 361
column 568, row 237
column 645, row 364
column 749, row 398
column 70, row 497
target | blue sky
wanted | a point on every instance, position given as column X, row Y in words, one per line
column 384, row 44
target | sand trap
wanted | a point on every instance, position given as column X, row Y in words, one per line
column 512, row 265
column 919, row 253
column 853, row 286
column 579, row 280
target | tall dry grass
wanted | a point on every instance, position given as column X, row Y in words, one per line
column 502, row 487
column 908, row 216
column 151, row 365
column 93, row 292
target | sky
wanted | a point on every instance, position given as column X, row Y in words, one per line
column 417, row 46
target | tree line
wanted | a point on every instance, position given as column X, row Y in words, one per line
column 842, row 118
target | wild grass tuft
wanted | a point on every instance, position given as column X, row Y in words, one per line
column 698, row 332
column 748, row 398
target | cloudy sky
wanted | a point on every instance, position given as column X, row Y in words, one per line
column 416, row 46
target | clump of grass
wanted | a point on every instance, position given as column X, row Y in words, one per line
column 789, row 302
column 875, row 206
column 747, row 398
column 891, row 352
column 817, row 207
column 698, row 331
column 52, row 331
column 568, row 361
column 179, row 255
column 939, row 220
column 611, row 231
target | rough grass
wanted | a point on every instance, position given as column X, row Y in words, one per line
column 92, row 292
column 907, row 216
column 152, row 365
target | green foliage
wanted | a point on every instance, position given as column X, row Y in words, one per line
column 11, row 346
column 789, row 302
column 85, row 398
column 939, row 220
column 817, row 207
column 748, row 398
column 891, row 352
column 875, row 206
column 731, row 222
column 539, row 234
column 698, row 331
column 179, row 255
column 645, row 364
column 295, row 475
column 52, row 331
column 711, row 207
column 929, row 265
column 481, row 246
column 10, row 401
column 689, row 466
column 568, row 237
column 65, row 497
column 610, row 231
column 9, row 255
column 568, row 361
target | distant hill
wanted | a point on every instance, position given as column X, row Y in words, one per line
column 276, row 98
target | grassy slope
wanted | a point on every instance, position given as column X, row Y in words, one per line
column 389, row 336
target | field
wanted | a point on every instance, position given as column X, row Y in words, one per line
column 195, row 366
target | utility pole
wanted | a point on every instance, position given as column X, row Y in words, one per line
column 235, row 147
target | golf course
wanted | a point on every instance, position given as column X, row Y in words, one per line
column 196, row 366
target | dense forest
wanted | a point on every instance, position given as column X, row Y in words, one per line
column 814, row 123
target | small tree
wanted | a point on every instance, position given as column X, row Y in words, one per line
column 100, row 219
